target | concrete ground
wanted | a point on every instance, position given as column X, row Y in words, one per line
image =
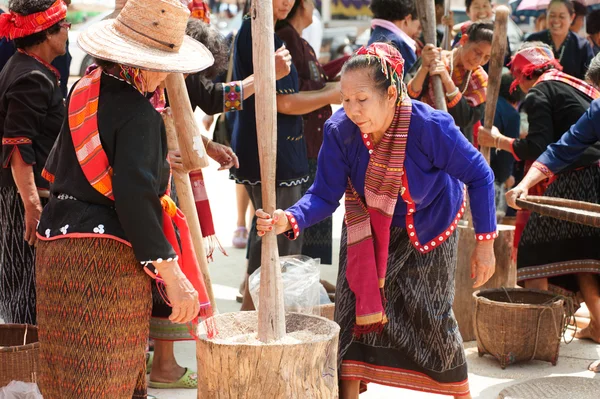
column 486, row 377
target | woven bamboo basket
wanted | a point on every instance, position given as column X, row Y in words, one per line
column 516, row 325
column 19, row 353
column 564, row 209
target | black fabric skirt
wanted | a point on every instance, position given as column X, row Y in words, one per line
column 420, row 347
column 17, row 261
column 317, row 238
column 558, row 250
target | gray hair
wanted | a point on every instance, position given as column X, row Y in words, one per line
column 527, row 45
column 593, row 73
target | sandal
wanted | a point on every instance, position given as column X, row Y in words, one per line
column 189, row 380
column 240, row 237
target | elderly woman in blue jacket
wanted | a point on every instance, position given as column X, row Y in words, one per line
column 403, row 168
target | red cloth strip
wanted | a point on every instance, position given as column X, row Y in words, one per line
column 15, row 26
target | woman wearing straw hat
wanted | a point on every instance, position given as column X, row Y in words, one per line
column 31, row 114
column 109, row 223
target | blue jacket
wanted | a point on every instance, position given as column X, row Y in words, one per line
column 438, row 160
column 583, row 134
column 379, row 34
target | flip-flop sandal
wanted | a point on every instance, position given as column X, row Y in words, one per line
column 151, row 397
column 149, row 362
column 188, row 381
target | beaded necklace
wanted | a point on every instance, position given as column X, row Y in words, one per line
column 562, row 47
column 467, row 81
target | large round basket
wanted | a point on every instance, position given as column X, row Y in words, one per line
column 19, row 353
column 515, row 325
column 235, row 365
column 564, row 209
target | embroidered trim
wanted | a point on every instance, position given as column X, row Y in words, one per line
column 455, row 100
column 512, row 149
column 65, row 197
column 543, row 168
column 15, row 140
column 233, row 96
column 159, row 260
column 295, row 232
column 486, row 236
column 410, row 224
column 48, row 176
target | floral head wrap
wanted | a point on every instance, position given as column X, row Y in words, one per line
column 527, row 61
column 392, row 63
column 16, row 26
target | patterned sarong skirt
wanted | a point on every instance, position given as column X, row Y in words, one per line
column 94, row 304
column 558, row 250
column 420, row 347
column 17, row 261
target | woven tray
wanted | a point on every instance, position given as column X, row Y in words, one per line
column 569, row 210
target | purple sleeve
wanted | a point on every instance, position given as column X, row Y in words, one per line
column 449, row 150
column 323, row 197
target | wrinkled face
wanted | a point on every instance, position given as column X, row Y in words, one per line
column 153, row 80
column 281, row 9
column 559, row 20
column 475, row 54
column 480, row 10
column 58, row 41
column 368, row 108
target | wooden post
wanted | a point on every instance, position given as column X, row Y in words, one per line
column 191, row 146
column 181, row 178
column 447, row 39
column 271, row 315
column 426, row 11
column 495, row 71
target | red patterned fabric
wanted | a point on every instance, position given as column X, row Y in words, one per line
column 527, row 61
column 15, row 26
column 369, row 224
column 578, row 84
column 199, row 10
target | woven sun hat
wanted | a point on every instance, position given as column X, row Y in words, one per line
column 147, row 34
column 119, row 4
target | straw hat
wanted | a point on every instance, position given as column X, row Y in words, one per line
column 119, row 4
column 147, row 34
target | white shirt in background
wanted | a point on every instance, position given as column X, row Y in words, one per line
column 314, row 33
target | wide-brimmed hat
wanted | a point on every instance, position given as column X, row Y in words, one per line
column 148, row 34
column 119, row 4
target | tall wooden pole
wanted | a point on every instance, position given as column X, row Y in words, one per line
column 426, row 11
column 181, row 178
column 499, row 43
column 447, row 39
column 271, row 315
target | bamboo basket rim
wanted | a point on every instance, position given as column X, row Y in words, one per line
column 561, row 208
column 555, row 300
column 18, row 348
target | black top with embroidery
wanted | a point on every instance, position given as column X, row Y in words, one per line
column 31, row 113
column 292, row 164
column 552, row 107
column 134, row 139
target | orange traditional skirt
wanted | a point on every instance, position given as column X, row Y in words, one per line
column 94, row 303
